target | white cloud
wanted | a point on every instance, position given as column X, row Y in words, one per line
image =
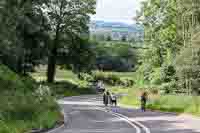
column 116, row 10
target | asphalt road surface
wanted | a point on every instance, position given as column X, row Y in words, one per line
column 86, row 114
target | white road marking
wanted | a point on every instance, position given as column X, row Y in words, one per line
column 147, row 130
column 126, row 120
column 77, row 103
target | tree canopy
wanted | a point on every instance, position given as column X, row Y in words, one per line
column 169, row 42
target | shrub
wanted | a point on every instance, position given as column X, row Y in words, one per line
column 86, row 77
column 20, row 107
column 112, row 79
column 168, row 73
column 170, row 87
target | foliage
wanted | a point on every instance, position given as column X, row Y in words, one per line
column 168, row 73
column 164, row 44
column 68, row 21
column 169, row 103
column 109, row 38
column 16, row 113
column 66, row 82
column 124, row 38
column 112, row 79
column 65, row 89
column 113, row 56
column 81, row 56
column 22, row 34
column 164, row 27
column 188, row 69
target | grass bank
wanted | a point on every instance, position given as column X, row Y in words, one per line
column 167, row 103
column 22, row 108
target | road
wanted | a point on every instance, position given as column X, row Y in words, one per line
column 86, row 114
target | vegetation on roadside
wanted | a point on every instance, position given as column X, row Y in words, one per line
column 56, row 33
column 170, row 65
column 112, row 79
column 24, row 105
column 169, row 103
column 66, row 82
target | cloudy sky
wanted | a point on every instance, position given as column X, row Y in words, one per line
column 116, row 10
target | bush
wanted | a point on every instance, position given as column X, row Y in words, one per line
column 168, row 73
column 112, row 79
column 170, row 87
column 86, row 77
column 155, row 77
column 21, row 107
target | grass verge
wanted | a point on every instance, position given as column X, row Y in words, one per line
column 165, row 103
column 21, row 107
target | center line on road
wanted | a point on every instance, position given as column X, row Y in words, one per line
column 147, row 130
column 137, row 125
column 138, row 130
column 131, row 122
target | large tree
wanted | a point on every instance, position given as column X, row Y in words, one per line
column 68, row 19
column 22, row 33
column 159, row 18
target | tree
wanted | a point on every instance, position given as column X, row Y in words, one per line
column 133, row 40
column 160, row 23
column 124, row 38
column 108, row 38
column 81, row 56
column 68, row 18
column 22, row 33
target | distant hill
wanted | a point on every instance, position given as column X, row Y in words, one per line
column 117, row 30
column 104, row 24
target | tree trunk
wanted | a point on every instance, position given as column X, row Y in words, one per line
column 51, row 70
column 52, row 66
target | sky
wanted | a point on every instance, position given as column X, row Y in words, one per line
column 117, row 10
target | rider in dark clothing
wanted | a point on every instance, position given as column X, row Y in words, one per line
column 106, row 97
column 143, row 101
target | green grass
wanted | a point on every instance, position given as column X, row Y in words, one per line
column 20, row 108
column 61, row 75
column 65, row 89
column 43, row 120
column 166, row 103
column 132, row 99
column 66, row 82
column 177, row 103
column 123, row 75
column 169, row 103
column 118, row 89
